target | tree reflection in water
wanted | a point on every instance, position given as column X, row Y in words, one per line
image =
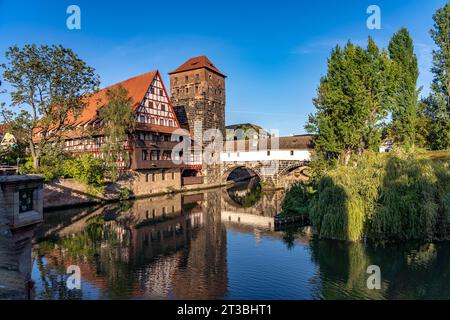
column 207, row 246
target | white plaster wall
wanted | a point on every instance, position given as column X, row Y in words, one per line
column 249, row 156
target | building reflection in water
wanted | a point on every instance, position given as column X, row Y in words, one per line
column 163, row 247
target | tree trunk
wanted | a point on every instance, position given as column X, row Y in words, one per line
column 35, row 156
column 346, row 156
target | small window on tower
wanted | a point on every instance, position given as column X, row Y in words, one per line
column 197, row 77
column 196, row 89
column 186, row 78
column 175, row 80
column 292, row 152
column 187, row 90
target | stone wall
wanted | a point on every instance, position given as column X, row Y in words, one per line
column 147, row 182
column 199, row 96
column 67, row 192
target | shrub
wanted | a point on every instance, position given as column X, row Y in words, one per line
column 85, row 169
column 125, row 193
column 297, row 200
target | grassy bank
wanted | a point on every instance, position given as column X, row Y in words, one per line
column 385, row 197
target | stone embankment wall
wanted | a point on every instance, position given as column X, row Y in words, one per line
column 12, row 284
column 68, row 192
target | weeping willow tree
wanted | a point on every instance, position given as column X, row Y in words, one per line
column 395, row 197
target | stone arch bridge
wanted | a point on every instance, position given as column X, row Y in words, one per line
column 273, row 174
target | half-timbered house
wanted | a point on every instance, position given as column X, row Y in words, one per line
column 149, row 145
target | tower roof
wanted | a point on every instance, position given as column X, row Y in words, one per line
column 197, row 63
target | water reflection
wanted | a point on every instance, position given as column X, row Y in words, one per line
column 215, row 245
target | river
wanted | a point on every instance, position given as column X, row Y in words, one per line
column 220, row 244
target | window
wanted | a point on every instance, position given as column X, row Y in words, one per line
column 144, row 155
column 155, row 155
column 186, row 78
column 146, row 180
column 292, row 152
column 161, row 92
column 196, row 89
column 153, row 178
column 163, row 175
column 187, row 90
column 197, row 77
column 268, row 152
column 161, row 122
column 173, row 177
column 153, row 91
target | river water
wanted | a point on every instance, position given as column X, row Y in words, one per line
column 220, row 244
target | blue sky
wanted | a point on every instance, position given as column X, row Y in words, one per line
column 273, row 52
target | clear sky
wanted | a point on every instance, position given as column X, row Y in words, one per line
column 273, row 52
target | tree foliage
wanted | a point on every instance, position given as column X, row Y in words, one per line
column 48, row 84
column 118, row 121
column 438, row 104
column 352, row 101
column 404, row 112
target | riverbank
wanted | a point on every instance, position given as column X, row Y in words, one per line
column 68, row 193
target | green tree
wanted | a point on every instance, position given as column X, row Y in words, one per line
column 439, row 102
column 352, row 101
column 48, row 84
column 118, row 120
column 404, row 112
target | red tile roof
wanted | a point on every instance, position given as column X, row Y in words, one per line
column 137, row 88
column 197, row 63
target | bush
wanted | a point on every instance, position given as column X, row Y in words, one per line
column 86, row 169
column 297, row 200
column 125, row 193
column 52, row 167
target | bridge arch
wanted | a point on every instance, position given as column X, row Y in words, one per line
column 228, row 170
column 301, row 166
